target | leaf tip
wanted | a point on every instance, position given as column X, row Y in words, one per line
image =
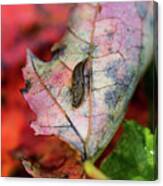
column 30, row 55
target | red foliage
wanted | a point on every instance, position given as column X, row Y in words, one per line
column 31, row 26
column 49, row 156
column 138, row 106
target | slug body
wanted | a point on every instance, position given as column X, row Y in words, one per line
column 78, row 84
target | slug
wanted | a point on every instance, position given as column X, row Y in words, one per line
column 78, row 84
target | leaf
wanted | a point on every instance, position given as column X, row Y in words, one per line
column 82, row 94
column 49, row 157
column 134, row 157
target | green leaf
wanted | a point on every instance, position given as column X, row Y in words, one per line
column 135, row 155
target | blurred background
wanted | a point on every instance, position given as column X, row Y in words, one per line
column 38, row 27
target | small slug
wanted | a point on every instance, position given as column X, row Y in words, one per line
column 78, row 84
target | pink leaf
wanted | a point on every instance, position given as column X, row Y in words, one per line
column 82, row 94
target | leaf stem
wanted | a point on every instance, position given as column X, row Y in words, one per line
column 93, row 172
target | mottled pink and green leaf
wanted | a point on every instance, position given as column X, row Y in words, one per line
column 116, row 41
